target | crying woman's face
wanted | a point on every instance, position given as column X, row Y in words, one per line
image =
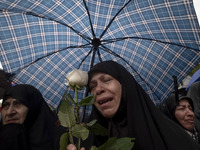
column 107, row 91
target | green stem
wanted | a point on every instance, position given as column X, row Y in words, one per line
column 70, row 136
column 77, row 115
column 79, row 143
column 77, row 109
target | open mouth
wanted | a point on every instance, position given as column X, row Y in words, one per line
column 12, row 120
column 104, row 101
column 191, row 121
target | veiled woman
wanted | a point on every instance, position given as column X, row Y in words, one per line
column 181, row 111
column 27, row 121
column 124, row 108
column 194, row 93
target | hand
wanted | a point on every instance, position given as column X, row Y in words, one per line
column 73, row 147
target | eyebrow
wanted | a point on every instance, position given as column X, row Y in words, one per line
column 94, row 80
column 184, row 106
column 10, row 102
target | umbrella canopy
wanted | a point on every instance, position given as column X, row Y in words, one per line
column 41, row 41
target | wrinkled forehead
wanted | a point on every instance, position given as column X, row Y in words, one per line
column 9, row 99
column 9, row 95
column 108, row 67
column 184, row 102
column 98, row 75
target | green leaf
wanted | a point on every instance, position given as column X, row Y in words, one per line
column 113, row 143
column 108, row 144
column 79, row 87
column 69, row 98
column 80, row 131
column 89, row 100
column 91, row 123
column 64, row 141
column 93, row 148
column 97, row 128
column 66, row 114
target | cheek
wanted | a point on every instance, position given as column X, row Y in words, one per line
column 118, row 94
column 23, row 114
column 95, row 104
column 179, row 116
column 3, row 116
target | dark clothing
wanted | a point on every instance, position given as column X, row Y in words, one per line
column 194, row 93
column 137, row 117
column 5, row 84
column 169, row 107
column 39, row 129
column 13, row 137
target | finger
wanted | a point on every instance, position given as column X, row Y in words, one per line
column 71, row 147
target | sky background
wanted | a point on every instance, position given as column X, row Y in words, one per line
column 197, row 9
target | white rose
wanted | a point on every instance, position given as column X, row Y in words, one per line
column 77, row 78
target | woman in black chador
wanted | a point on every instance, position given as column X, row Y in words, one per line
column 27, row 121
column 181, row 111
column 122, row 106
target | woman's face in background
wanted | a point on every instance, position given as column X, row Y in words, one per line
column 107, row 91
column 13, row 111
column 185, row 115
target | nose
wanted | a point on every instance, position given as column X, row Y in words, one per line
column 99, row 89
column 11, row 110
column 190, row 112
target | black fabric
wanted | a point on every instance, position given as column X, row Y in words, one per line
column 140, row 118
column 5, row 84
column 13, row 137
column 40, row 123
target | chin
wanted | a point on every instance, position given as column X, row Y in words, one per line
column 108, row 115
column 190, row 128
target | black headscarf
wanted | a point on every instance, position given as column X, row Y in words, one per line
column 38, row 130
column 169, row 106
column 140, row 118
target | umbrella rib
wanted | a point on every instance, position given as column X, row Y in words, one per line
column 80, row 46
column 123, row 38
column 84, row 58
column 113, row 19
column 81, row 35
column 99, row 55
column 93, row 34
column 176, row 88
column 33, row 14
column 93, row 56
column 115, row 54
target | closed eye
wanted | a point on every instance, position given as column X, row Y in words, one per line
column 107, row 80
column 181, row 107
column 5, row 105
column 92, row 85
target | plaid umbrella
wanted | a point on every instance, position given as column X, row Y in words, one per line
column 41, row 41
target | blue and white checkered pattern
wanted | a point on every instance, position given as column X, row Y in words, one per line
column 31, row 29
